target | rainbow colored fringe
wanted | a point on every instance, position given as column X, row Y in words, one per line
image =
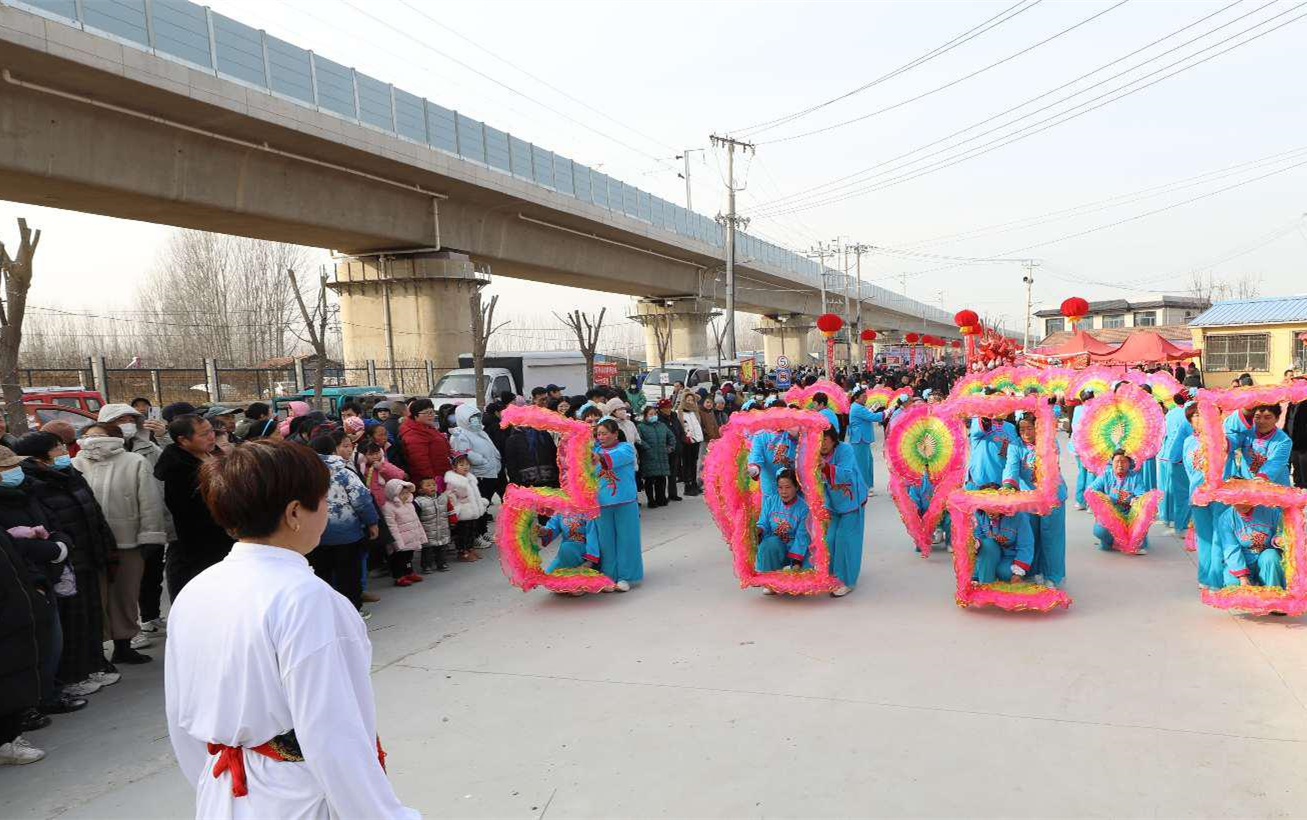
column 519, row 548
column 925, row 440
column 1292, row 599
column 734, row 503
column 1128, row 419
column 1013, row 596
column 1128, row 528
column 802, row 396
column 882, row 396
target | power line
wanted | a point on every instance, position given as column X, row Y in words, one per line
column 959, row 40
column 833, row 185
column 947, row 85
column 1052, row 121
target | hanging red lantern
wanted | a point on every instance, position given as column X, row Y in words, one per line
column 829, row 324
column 956, row 344
column 966, row 318
column 1074, row 309
column 868, row 335
column 911, row 338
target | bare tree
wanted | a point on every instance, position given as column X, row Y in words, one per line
column 17, row 273
column 587, row 336
column 1207, row 286
column 483, row 327
column 315, row 324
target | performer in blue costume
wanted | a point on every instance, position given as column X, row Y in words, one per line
column 1238, row 428
column 1006, row 547
column 921, row 494
column 618, row 525
column 1049, row 531
column 1250, row 546
column 862, row 434
column 1265, row 448
column 846, row 498
column 821, row 403
column 1170, row 462
column 1083, row 477
column 578, row 540
column 1211, row 567
column 769, row 453
column 782, row 528
column 990, row 440
column 1122, row 484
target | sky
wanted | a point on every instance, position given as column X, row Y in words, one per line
column 1123, row 201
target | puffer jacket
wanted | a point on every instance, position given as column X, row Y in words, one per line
column 426, row 450
column 655, row 443
column 377, row 476
column 127, row 492
column 402, row 518
column 465, row 496
column 20, row 679
column 481, row 451
column 350, row 508
column 44, row 556
column 432, row 512
column 72, row 509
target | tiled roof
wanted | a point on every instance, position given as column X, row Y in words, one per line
column 1261, row 311
column 1178, row 334
column 1120, row 305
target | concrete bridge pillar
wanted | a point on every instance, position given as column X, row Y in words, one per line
column 681, row 323
column 428, row 298
column 789, row 335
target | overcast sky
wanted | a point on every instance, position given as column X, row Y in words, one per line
column 665, row 75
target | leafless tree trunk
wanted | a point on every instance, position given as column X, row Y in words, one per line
column 315, row 323
column 1206, row 286
column 587, row 336
column 483, row 327
column 17, row 273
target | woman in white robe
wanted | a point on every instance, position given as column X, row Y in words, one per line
column 269, row 699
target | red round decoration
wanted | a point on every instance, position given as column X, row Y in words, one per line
column 868, row 335
column 829, row 323
column 1075, row 307
column 911, row 338
column 956, row 344
column 965, row 318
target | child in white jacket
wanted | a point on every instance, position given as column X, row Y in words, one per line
column 406, row 532
column 469, row 509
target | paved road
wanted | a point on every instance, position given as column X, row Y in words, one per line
column 690, row 697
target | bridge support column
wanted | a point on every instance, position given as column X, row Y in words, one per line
column 429, row 310
column 680, row 324
column 787, row 335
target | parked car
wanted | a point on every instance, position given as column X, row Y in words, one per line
column 79, row 397
column 334, row 396
column 38, row 414
column 511, row 372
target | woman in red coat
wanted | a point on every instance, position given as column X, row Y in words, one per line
column 425, row 448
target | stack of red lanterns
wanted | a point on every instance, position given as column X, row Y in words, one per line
column 969, row 326
column 868, row 340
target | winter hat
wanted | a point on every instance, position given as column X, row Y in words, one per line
column 110, row 412
column 396, row 486
column 9, row 459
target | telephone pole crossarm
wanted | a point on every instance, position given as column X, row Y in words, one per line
column 732, row 220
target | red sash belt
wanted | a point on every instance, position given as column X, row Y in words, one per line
column 232, row 759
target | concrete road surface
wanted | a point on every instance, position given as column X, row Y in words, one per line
column 689, row 697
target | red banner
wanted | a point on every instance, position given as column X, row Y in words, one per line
column 605, row 373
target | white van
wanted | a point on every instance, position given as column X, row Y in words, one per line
column 694, row 373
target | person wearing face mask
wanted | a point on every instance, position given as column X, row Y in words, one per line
column 655, row 443
column 469, row 435
column 132, row 503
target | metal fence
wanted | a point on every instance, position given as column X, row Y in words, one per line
column 235, row 385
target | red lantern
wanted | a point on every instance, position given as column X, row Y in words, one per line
column 966, row 318
column 868, row 335
column 911, row 338
column 956, row 344
column 829, row 324
column 1074, row 309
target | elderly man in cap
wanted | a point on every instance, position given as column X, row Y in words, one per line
column 223, row 420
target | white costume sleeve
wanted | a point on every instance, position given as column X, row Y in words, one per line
column 330, row 697
column 192, row 754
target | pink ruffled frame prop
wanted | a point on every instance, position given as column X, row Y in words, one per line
column 519, row 548
column 1256, row 600
column 962, row 505
column 1129, row 399
column 734, row 503
column 802, row 396
column 945, row 479
column 1129, row 529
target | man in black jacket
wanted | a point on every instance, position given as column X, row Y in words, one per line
column 1295, row 424
column 20, row 676
column 530, row 457
column 201, row 543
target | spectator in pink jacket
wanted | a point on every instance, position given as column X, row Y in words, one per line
column 376, row 471
column 406, row 531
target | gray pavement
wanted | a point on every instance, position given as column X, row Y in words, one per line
column 689, row 697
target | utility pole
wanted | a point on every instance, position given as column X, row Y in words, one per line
column 732, row 221
column 821, row 252
column 685, row 155
column 1029, row 279
column 848, row 310
column 858, row 250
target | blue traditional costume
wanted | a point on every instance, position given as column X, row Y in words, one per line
column 989, row 449
column 784, row 536
column 1005, row 541
column 1249, row 546
column 1211, row 568
column 846, row 497
column 618, row 525
column 771, row 452
column 1266, row 456
column 577, row 537
column 862, row 434
column 1121, row 491
column 1173, row 478
column 1049, row 531
column 922, row 494
column 1083, row 477
column 1238, row 427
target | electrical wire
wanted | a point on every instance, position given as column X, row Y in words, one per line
column 833, row 185
column 948, row 85
column 1052, row 121
column 959, row 40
